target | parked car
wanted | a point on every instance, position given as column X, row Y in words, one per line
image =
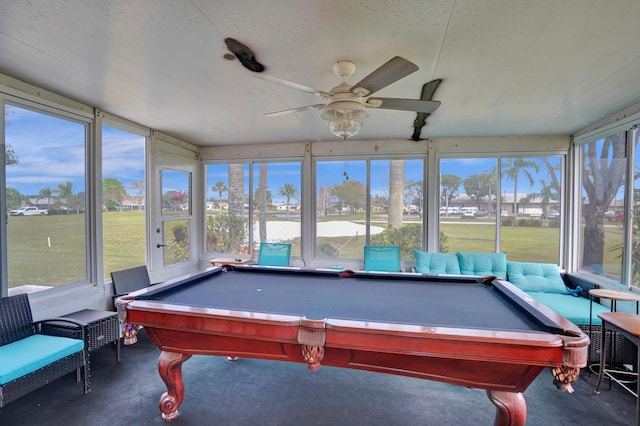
column 481, row 213
column 612, row 216
column 28, row 211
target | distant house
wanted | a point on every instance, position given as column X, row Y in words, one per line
column 132, row 204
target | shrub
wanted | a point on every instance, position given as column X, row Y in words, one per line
column 408, row 238
column 226, row 233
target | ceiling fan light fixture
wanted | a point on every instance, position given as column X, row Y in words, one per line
column 345, row 118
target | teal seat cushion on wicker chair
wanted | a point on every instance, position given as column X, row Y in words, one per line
column 575, row 309
column 27, row 355
column 483, row 264
column 436, row 263
column 382, row 258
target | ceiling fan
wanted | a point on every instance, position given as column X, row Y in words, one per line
column 345, row 106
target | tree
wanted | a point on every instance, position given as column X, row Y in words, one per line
column 262, row 202
column 10, row 157
column 603, row 175
column 65, row 192
column 546, row 194
column 236, row 189
column 449, row 185
column 512, row 168
column 477, row 186
column 219, row 187
column 236, row 222
column 46, row 193
column 13, row 199
column 396, row 193
column 289, row 191
column 138, row 187
column 349, row 193
column 113, row 193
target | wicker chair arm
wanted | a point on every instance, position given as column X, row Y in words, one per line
column 80, row 325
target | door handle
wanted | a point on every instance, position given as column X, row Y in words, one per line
column 160, row 245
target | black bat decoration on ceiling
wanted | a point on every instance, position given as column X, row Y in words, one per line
column 244, row 55
column 428, row 89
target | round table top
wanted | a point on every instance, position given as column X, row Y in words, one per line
column 605, row 293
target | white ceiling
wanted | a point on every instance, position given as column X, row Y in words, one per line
column 508, row 67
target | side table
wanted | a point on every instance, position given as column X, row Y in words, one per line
column 614, row 296
column 229, row 261
column 628, row 325
column 100, row 329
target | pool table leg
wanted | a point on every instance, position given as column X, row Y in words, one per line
column 170, row 369
column 512, row 408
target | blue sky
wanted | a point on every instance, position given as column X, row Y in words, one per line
column 51, row 151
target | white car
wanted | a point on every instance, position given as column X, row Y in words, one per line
column 28, row 211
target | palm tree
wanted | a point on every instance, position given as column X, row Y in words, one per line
column 396, row 193
column 289, row 191
column 236, row 189
column 262, row 203
column 219, row 187
column 512, row 168
column 449, row 185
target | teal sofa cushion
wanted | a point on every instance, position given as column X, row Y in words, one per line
column 436, row 263
column 27, row 355
column 575, row 309
column 534, row 277
column 483, row 264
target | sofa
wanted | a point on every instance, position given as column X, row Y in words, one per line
column 30, row 359
column 542, row 281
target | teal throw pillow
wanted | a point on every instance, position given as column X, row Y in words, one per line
column 436, row 263
column 536, row 277
column 483, row 264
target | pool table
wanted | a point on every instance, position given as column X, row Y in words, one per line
column 468, row 331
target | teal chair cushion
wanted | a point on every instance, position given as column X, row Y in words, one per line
column 274, row 254
column 436, row 263
column 483, row 264
column 536, row 277
column 27, row 355
column 382, row 258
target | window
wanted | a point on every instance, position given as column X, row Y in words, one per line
column 340, row 209
column 400, row 184
column 236, row 222
column 347, row 219
column 526, row 204
column 277, row 189
column 176, row 215
column 123, row 200
column 531, row 188
column 603, row 169
column 635, row 220
column 46, row 196
column 469, row 205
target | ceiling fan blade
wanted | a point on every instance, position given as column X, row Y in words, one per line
column 294, row 85
column 292, row 110
column 416, row 105
column 392, row 71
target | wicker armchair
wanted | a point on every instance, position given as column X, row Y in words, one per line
column 19, row 333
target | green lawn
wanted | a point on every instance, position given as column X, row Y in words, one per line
column 49, row 250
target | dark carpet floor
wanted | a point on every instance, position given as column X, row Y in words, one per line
column 257, row 392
